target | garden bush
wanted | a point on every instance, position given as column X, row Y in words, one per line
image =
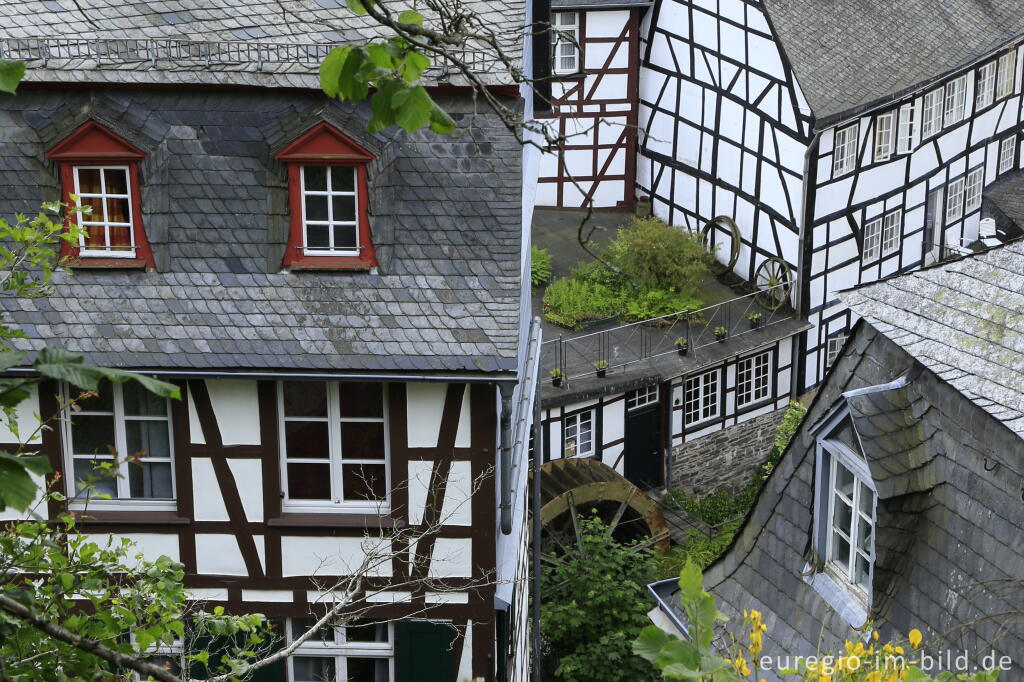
column 540, row 267
column 570, row 302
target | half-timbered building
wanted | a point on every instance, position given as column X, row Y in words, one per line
column 341, row 310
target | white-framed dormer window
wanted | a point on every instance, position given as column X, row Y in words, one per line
column 578, row 434
column 330, row 211
column 106, row 192
column 357, row 652
column 851, row 519
column 985, row 88
column 1007, row 74
column 931, row 116
column 955, row 100
column 120, row 439
column 753, row 379
column 884, row 135
column 973, row 189
column 872, row 241
column 835, row 347
column 844, row 153
column 1006, row 153
column 701, row 397
column 891, row 224
column 642, row 397
column 565, row 45
column 334, row 446
column 905, row 135
column 955, row 200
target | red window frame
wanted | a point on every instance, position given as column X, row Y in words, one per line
column 92, row 144
column 325, row 145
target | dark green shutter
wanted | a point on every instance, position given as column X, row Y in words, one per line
column 424, row 652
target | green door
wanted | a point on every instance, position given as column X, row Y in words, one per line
column 424, row 652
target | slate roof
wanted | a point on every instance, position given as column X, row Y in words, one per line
column 964, row 321
column 445, row 218
column 249, row 42
column 850, row 53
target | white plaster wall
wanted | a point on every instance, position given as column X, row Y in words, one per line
column 325, row 556
column 424, row 410
column 218, row 554
column 207, row 500
column 151, row 545
column 26, row 418
column 248, row 475
column 237, row 409
column 451, row 558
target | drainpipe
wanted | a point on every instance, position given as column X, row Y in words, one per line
column 515, row 433
column 505, row 458
column 796, row 380
column 538, row 460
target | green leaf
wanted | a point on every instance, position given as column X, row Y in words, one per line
column 330, row 70
column 18, row 490
column 410, row 17
column 57, row 363
column 414, row 109
column 350, row 85
column 66, row 580
column 11, row 74
column 441, row 122
column 650, row 643
column 356, row 7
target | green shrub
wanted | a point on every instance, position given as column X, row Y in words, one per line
column 570, row 302
column 697, row 547
column 785, row 432
column 655, row 255
column 658, row 302
column 540, row 266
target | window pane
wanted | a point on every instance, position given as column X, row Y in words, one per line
column 304, row 440
column 344, row 207
column 148, row 438
column 364, row 482
column 316, row 178
column 150, row 479
column 367, row 669
column 866, row 499
column 843, row 519
column 120, row 238
column 89, row 181
column 309, row 481
column 313, row 669
column 316, row 207
column 302, row 625
column 343, row 179
column 361, row 399
column 117, row 180
column 844, row 481
column 864, row 535
column 840, row 551
column 95, row 214
column 305, row 398
column 102, row 402
column 345, row 237
column 107, row 484
column 318, row 236
column 362, row 440
column 862, row 573
column 117, row 210
column 138, row 402
column 92, row 434
column 366, row 631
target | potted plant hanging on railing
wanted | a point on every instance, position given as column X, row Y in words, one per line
column 602, row 368
column 556, row 376
column 755, row 320
column 682, row 345
column 721, row 333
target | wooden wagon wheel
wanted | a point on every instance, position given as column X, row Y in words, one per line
column 725, row 224
column 774, row 281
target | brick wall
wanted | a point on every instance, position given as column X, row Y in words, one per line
column 724, row 460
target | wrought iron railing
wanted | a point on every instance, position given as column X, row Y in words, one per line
column 623, row 345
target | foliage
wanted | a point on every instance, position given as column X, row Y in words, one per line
column 715, row 508
column 649, row 270
column 698, row 548
column 595, row 604
column 11, row 74
column 783, row 435
column 695, row 659
column 540, row 266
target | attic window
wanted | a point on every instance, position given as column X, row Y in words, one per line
column 565, row 46
column 99, row 173
column 327, row 179
column 844, row 156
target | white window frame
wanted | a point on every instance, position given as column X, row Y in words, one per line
column 872, row 239
column 577, row 419
column 175, row 650
column 955, row 101
column 907, row 130
column 973, row 189
column 931, row 114
column 844, row 150
column 985, row 85
column 566, row 39
column 1007, row 149
column 1006, row 80
column 838, row 456
column 330, row 223
column 124, row 500
column 835, row 347
column 891, row 223
column 955, row 200
column 642, row 397
column 755, row 370
column 89, row 222
column 335, row 458
column 341, row 650
column 884, row 133
column 706, row 401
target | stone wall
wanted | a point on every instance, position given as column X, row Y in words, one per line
column 724, row 460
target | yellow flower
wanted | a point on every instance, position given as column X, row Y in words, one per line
column 915, row 638
column 874, row 635
column 873, row 676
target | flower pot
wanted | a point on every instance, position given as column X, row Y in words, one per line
column 754, row 324
column 556, row 381
column 721, row 338
column 601, row 373
column 682, row 351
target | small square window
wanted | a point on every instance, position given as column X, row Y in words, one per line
column 565, row 45
column 955, row 101
column 361, row 650
column 701, row 399
column 642, row 397
column 905, row 137
column 578, row 434
column 872, row 239
column 973, row 190
column 753, row 381
column 1007, row 150
column 1007, row 74
column 955, row 201
column 985, row 85
column 931, row 118
column 884, row 136
column 844, row 154
column 835, row 347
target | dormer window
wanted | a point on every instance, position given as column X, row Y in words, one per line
column 327, row 177
column 100, row 176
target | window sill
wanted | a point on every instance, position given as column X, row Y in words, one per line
column 846, row 600
column 131, row 516
column 335, row 519
column 343, row 263
column 574, row 76
column 106, row 263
